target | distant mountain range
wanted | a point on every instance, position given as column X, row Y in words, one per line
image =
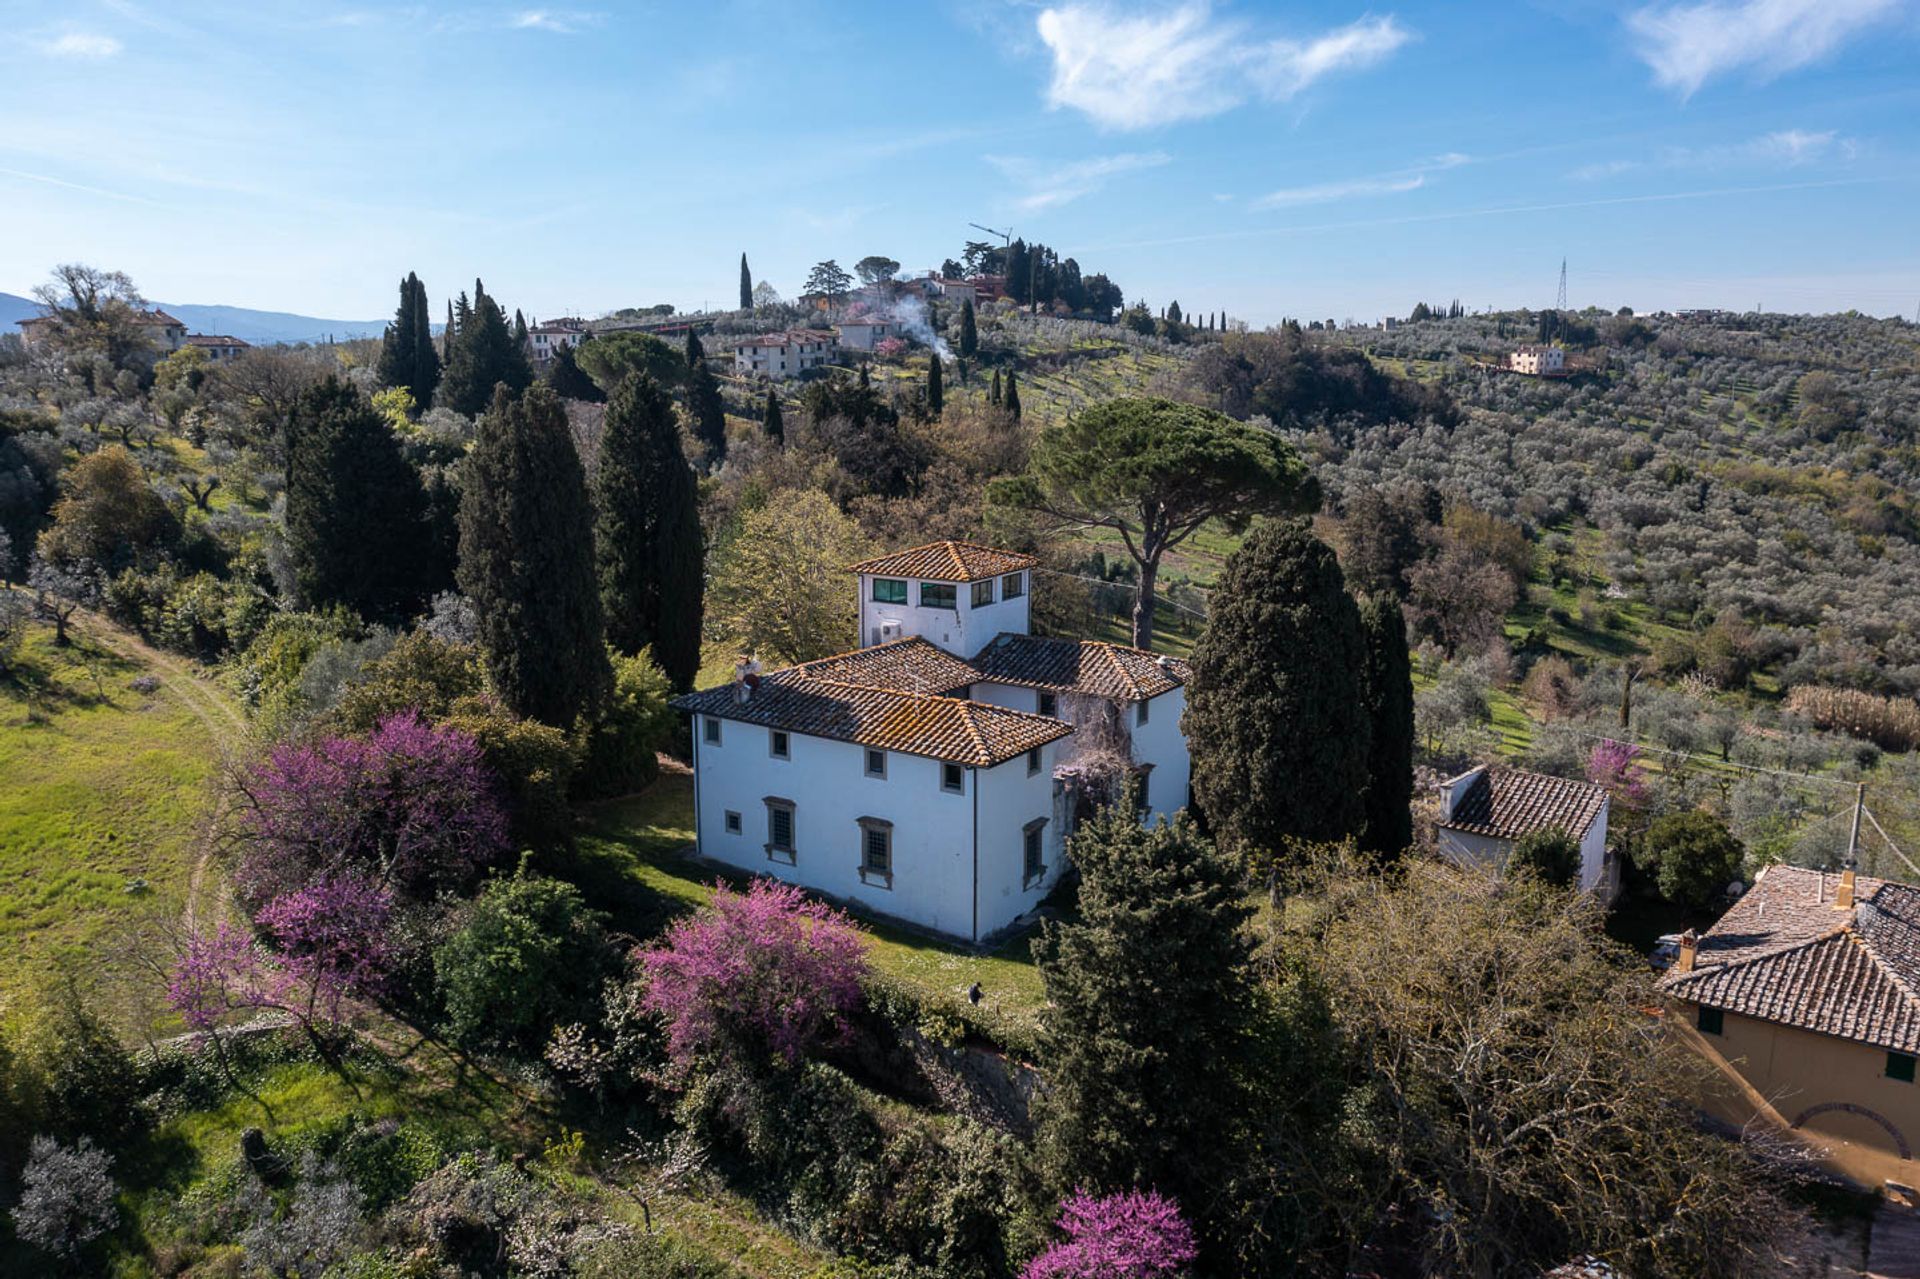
column 258, row 327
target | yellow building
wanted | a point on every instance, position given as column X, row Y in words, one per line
column 1805, row 996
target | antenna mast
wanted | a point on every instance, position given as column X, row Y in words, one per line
column 1560, row 303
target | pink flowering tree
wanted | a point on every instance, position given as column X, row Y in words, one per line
column 757, row 976
column 412, row 807
column 1616, row 766
column 1139, row 1235
column 887, row 348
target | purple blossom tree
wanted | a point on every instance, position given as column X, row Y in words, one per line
column 762, row 974
column 412, row 807
column 1138, row 1235
column 1616, row 766
column 333, row 941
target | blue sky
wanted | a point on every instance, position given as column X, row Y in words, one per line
column 1325, row 160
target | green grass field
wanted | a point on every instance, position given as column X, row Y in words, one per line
column 633, row 865
column 103, row 791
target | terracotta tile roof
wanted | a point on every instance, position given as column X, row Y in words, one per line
column 215, row 339
column 911, row 665
column 1506, row 803
column 945, row 728
column 158, row 317
column 792, row 337
column 1080, row 666
column 1785, row 953
column 946, row 562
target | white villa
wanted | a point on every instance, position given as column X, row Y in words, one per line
column 1540, row 361
column 546, row 341
column 864, row 335
column 930, row 774
column 220, row 348
column 162, row 331
column 784, row 355
column 1485, row 811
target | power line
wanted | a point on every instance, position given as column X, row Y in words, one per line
column 1158, row 598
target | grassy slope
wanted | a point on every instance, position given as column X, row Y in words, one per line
column 99, row 785
column 633, row 865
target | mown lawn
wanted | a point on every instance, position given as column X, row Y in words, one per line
column 102, row 793
column 633, row 863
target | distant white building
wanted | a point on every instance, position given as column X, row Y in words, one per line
column 220, row 348
column 864, row 335
column 162, row 331
column 1540, row 361
column 1485, row 811
column 784, row 355
column 546, row 341
column 933, row 773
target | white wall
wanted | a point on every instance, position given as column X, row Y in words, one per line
column 962, row 630
column 933, row 847
column 1161, row 743
column 1469, row 848
column 1009, row 799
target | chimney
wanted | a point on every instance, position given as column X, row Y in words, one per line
column 1689, row 951
column 1843, row 896
column 1455, row 789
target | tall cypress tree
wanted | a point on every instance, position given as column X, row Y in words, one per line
column 647, row 536
column 696, row 352
column 519, row 328
column 771, row 421
column 708, row 411
column 407, row 355
column 526, row 560
column 484, row 354
column 1276, row 718
column 354, row 508
column 936, row 393
column 993, row 396
column 746, row 285
column 1019, row 271
column 569, row 381
column 1148, row 1027
column 1388, row 828
column 969, row 333
column 446, row 334
column 426, row 359
column 1010, row 399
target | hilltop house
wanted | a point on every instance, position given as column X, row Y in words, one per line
column 546, row 341
column 1805, row 998
column 1539, row 361
column 220, row 348
column 933, row 773
column 162, row 331
column 784, row 355
column 1485, row 811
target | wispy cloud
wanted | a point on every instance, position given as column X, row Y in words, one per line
column 1398, row 182
column 1049, row 185
column 48, row 180
column 1782, row 149
column 564, row 22
column 1133, row 71
column 1689, row 44
column 90, row 45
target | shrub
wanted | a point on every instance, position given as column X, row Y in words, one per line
column 66, row 1197
column 421, row 672
column 1694, row 855
column 620, row 752
column 1551, row 856
column 762, row 974
column 535, row 763
column 530, row 956
column 1140, row 1235
column 1891, row 723
column 412, row 807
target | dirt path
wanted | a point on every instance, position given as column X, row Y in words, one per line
column 207, row 702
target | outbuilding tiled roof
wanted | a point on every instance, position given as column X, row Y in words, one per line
column 1507, row 803
column 945, row 728
column 1080, row 666
column 1787, row 953
column 215, row 339
column 946, row 562
column 911, row 665
column 792, row 337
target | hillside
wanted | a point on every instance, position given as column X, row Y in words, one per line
column 258, row 327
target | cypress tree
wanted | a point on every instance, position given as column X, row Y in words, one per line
column 426, row 359
column 746, row 285
column 526, row 560
column 993, row 396
column 695, row 351
column 1019, row 272
column 969, row 334
column 395, row 367
column 519, row 327
column 1276, row 714
column 708, row 411
column 1148, row 1027
column 354, row 508
column 484, row 354
column 1174, row 313
column 446, row 334
column 647, row 532
column 936, row 393
column 1388, row 829
column 569, row 381
column 1011, row 401
column 407, row 355
column 771, row 421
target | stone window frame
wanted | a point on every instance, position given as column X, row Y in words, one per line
column 958, row 774
column 790, row 851
column 1033, row 852
column 874, row 876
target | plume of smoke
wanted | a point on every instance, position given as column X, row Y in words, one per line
column 910, row 313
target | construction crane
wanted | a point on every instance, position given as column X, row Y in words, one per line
column 1006, row 236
